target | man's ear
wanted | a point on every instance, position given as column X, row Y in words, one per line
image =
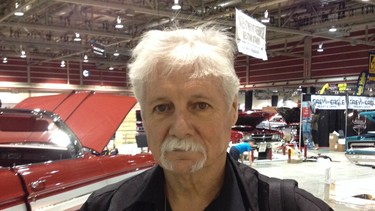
column 234, row 110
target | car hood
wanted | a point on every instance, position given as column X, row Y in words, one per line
column 93, row 117
column 252, row 130
column 290, row 115
column 252, row 118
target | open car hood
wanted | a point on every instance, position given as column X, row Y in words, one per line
column 290, row 115
column 93, row 117
column 252, row 118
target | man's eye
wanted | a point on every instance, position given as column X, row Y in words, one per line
column 201, row 106
column 162, row 108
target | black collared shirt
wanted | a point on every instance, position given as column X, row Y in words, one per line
column 243, row 189
column 153, row 197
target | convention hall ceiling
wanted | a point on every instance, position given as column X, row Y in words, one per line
column 48, row 28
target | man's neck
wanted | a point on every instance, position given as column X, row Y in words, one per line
column 197, row 190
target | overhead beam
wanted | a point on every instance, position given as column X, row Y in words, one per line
column 137, row 9
column 64, row 29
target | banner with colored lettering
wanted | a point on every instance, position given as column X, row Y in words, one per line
column 361, row 103
column 250, row 36
column 328, row 102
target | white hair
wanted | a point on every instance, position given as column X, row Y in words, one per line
column 206, row 51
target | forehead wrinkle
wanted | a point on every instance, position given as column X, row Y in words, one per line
column 162, row 88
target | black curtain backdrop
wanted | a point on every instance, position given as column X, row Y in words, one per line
column 274, row 100
column 329, row 121
column 248, row 100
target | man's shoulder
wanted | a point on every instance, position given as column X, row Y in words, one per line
column 246, row 170
column 127, row 188
column 276, row 193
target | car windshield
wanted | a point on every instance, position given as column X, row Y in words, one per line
column 28, row 138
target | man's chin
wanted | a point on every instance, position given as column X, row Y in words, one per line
column 184, row 170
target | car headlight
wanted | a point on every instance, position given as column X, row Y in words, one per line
column 247, row 137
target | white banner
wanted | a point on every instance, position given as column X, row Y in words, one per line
column 361, row 103
column 328, row 102
column 250, row 36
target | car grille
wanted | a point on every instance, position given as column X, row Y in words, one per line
column 262, row 138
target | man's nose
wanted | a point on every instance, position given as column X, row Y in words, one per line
column 181, row 124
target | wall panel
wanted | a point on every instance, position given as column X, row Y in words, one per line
column 339, row 59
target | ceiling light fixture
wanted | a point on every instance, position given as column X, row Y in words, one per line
column 265, row 19
column 78, row 37
column 320, row 48
column 18, row 12
column 5, row 60
column 23, row 54
column 118, row 24
column 332, row 29
column 176, row 5
column 85, row 58
column 62, row 63
column 116, row 53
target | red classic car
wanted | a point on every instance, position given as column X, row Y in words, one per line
column 53, row 150
column 274, row 122
column 246, row 128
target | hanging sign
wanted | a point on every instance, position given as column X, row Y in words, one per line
column 250, row 36
column 361, row 103
column 361, row 83
column 371, row 65
column 328, row 102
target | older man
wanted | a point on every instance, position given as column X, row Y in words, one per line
column 185, row 82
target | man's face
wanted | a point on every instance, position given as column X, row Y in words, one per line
column 187, row 122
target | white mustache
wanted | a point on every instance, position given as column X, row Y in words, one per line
column 188, row 145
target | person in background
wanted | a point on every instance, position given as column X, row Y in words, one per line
column 186, row 86
column 315, row 129
column 237, row 150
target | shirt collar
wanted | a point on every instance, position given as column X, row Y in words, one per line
column 154, row 191
column 229, row 198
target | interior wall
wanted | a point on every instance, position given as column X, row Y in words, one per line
column 258, row 104
column 339, row 59
column 10, row 99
